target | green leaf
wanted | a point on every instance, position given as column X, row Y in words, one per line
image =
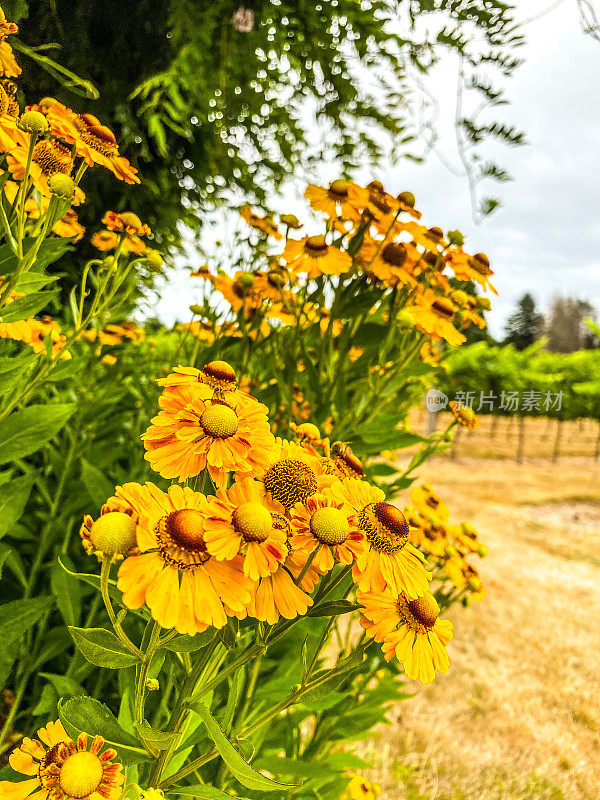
column 84, row 714
column 25, row 431
column 18, row 616
column 67, row 592
column 204, row 792
column 12, row 502
column 238, row 766
column 13, row 369
column 157, row 740
column 65, row 687
column 332, row 608
column 292, row 767
column 4, row 554
column 101, row 647
column 26, row 306
column 32, row 281
column 96, row 482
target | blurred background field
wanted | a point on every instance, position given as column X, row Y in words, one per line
column 517, row 716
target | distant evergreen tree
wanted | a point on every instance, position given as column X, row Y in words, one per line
column 525, row 326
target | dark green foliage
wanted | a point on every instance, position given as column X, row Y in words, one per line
column 202, row 108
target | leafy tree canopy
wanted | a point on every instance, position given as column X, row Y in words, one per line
column 210, row 97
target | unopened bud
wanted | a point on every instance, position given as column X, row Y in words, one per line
column 152, row 684
column 456, row 238
column 154, row 259
column 196, row 309
column 33, row 122
column 113, row 533
column 62, row 186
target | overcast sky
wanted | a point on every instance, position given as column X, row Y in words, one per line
column 546, row 237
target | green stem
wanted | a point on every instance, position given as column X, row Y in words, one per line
column 104, row 575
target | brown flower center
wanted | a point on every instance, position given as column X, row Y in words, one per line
column 185, row 528
column 443, row 308
column 385, row 526
column 338, row 189
column 394, row 253
column 481, row 264
column 316, row 246
column 219, row 374
column 52, row 156
column 290, row 482
column 96, row 135
column 425, row 610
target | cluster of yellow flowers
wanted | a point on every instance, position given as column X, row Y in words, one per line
column 446, row 545
column 282, row 515
column 368, row 232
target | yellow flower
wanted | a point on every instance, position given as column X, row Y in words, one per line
column 390, row 263
column 341, row 199
column 294, row 474
column 61, row 768
column 409, row 629
column 429, row 502
column 433, row 316
column 360, row 788
column 95, row 143
column 33, row 332
column 464, row 576
column 464, row 415
column 8, row 64
column 327, row 526
column 242, row 520
column 69, row 226
column 264, row 224
column 195, row 429
column 49, row 157
column 392, row 560
column 313, row 256
column 174, row 575
column 471, row 268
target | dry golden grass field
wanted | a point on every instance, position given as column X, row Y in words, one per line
column 518, row 715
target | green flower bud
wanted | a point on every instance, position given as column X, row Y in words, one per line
column 196, row 309
column 152, row 684
column 113, row 533
column 33, row 122
column 62, row 186
column 456, row 238
column 154, row 258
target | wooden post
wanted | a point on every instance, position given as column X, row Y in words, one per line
column 493, row 426
column 556, row 453
column 521, row 445
column 455, row 442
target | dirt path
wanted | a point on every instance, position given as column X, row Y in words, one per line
column 518, row 715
